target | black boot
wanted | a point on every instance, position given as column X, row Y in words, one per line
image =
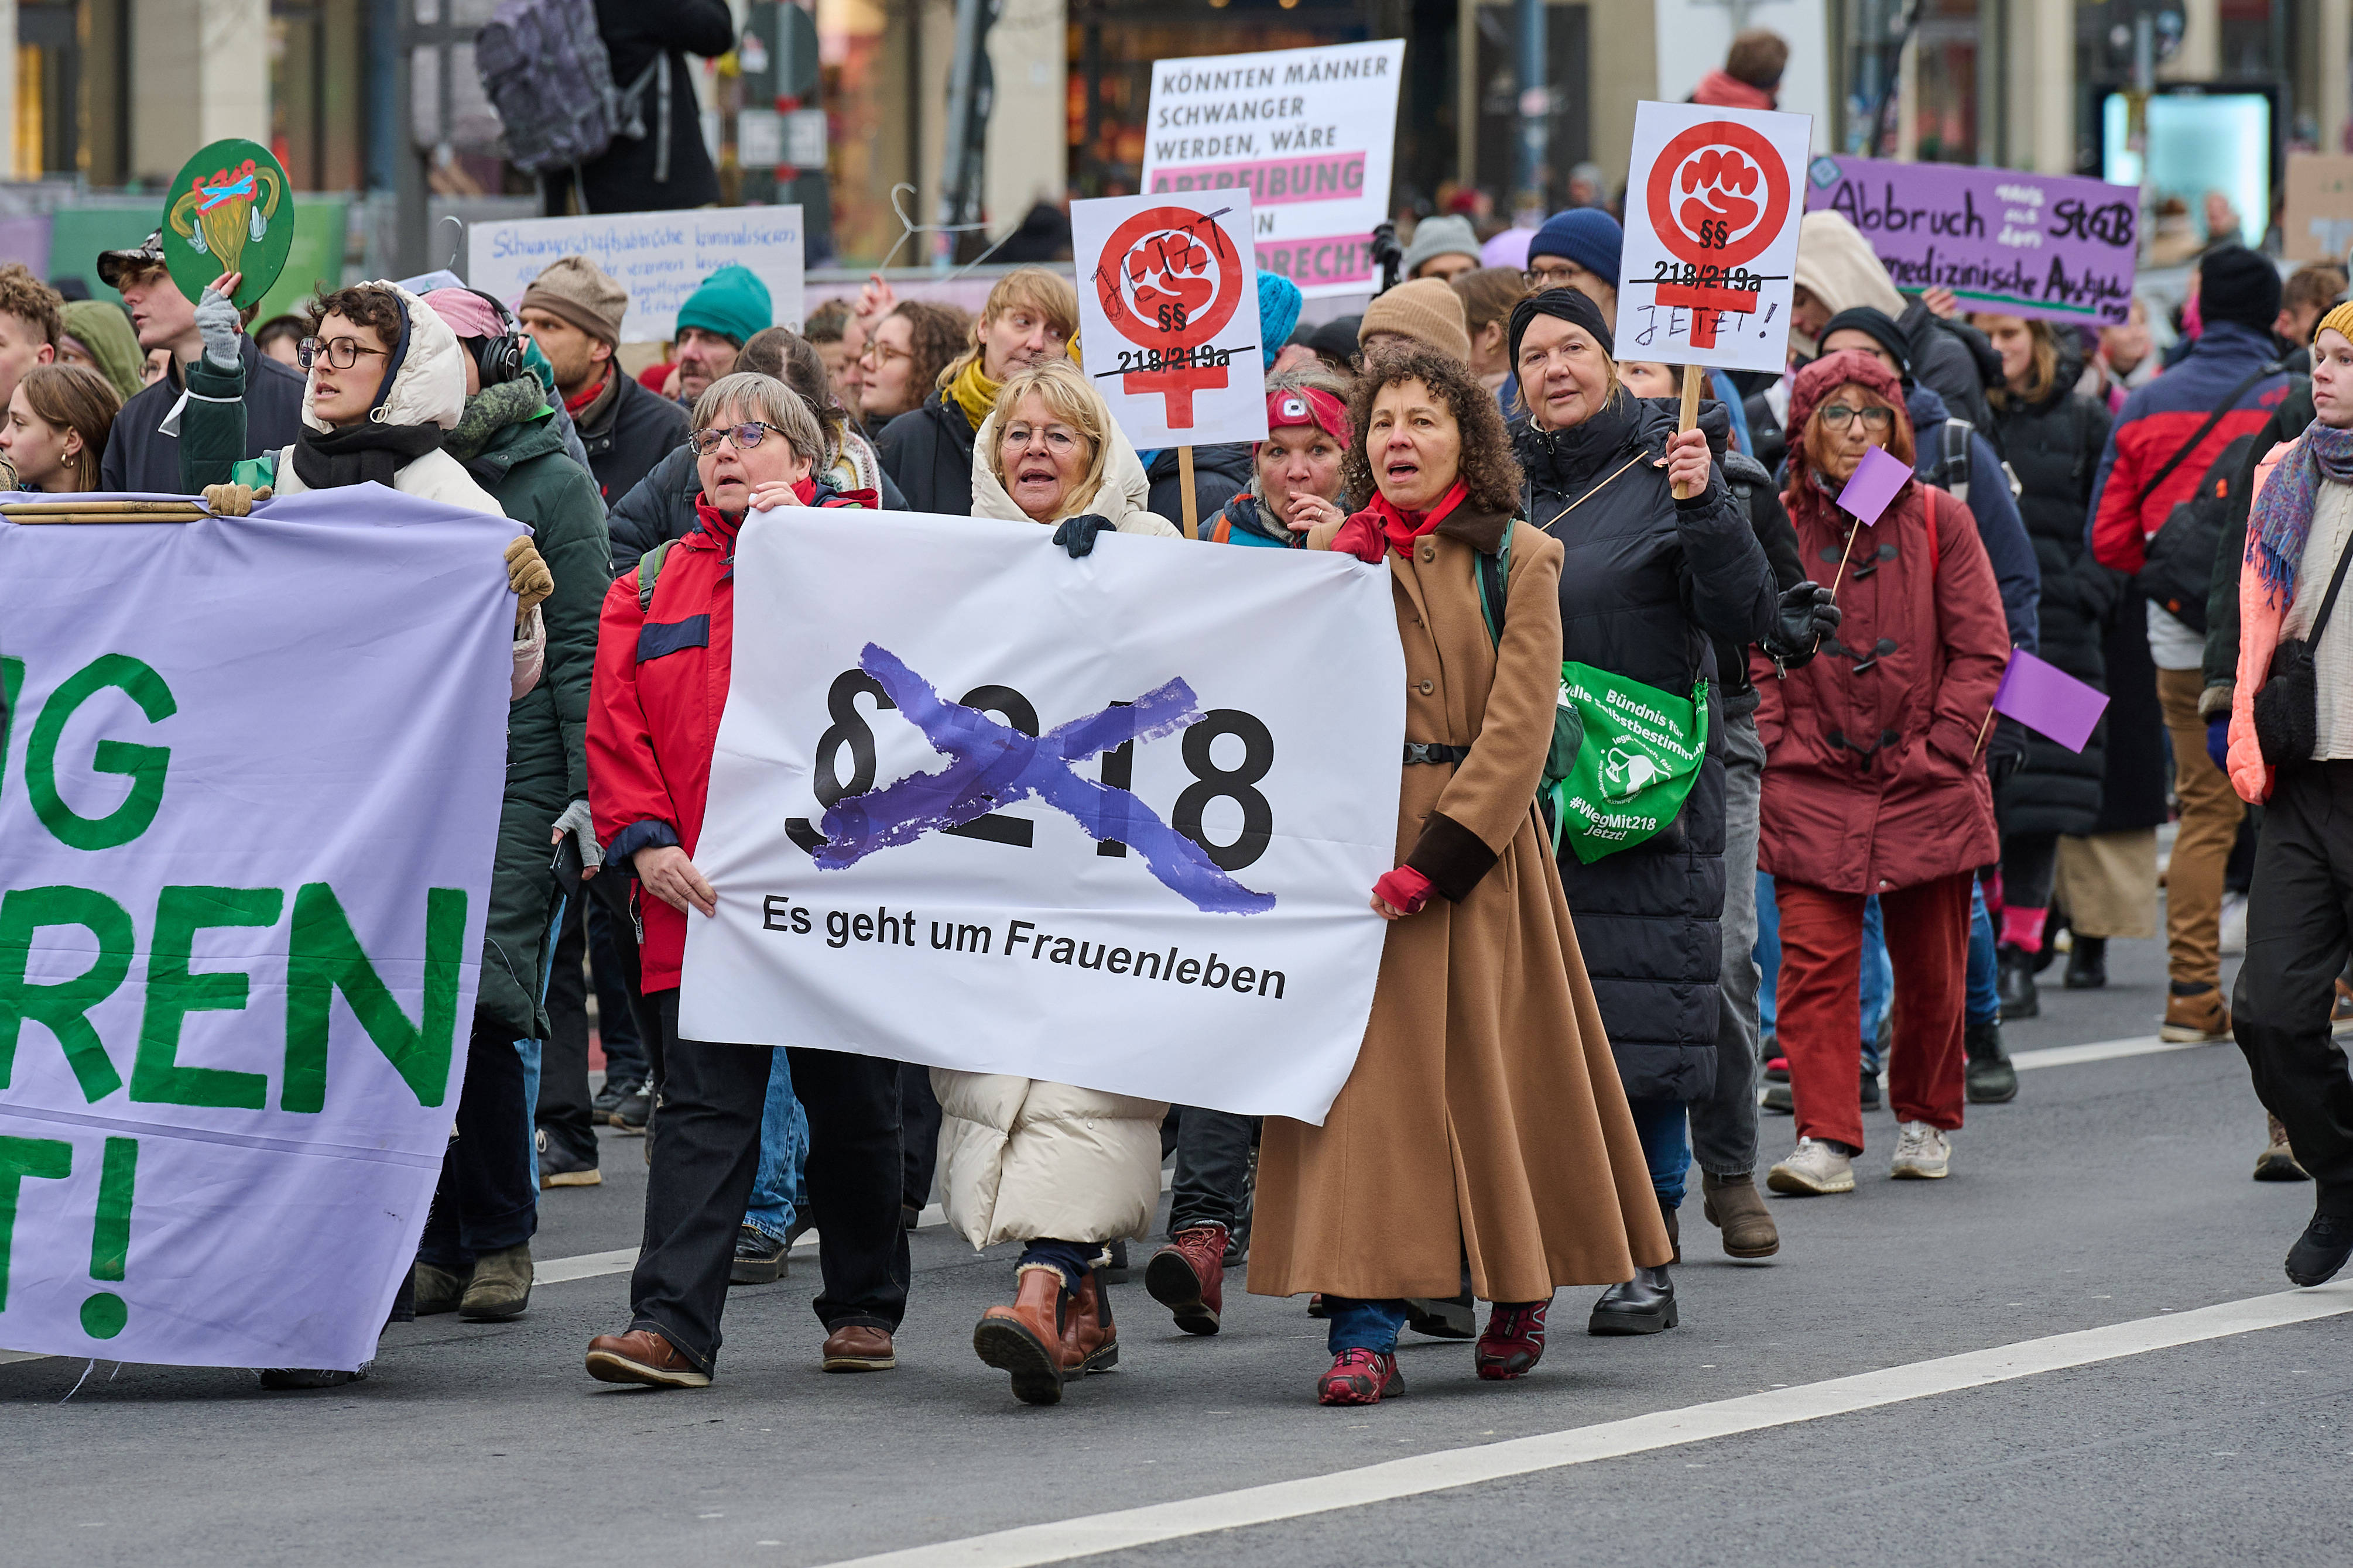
column 2087, row 963
column 2016, row 982
column 1992, row 1081
column 1644, row 1304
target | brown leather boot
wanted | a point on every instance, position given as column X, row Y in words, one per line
column 1090, row 1338
column 1734, row 1206
column 1024, row 1340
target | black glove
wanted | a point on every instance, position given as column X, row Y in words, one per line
column 1077, row 534
column 1806, row 616
column 2005, row 750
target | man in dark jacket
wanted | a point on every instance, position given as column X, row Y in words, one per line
column 1029, row 320
column 669, row 168
column 574, row 312
column 142, row 451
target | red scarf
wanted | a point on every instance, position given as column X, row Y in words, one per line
column 1721, row 89
column 1402, row 528
column 574, row 405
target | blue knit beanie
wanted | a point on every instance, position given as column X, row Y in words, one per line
column 733, row 302
column 1278, row 314
column 1586, row 236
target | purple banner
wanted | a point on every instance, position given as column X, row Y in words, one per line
column 2011, row 244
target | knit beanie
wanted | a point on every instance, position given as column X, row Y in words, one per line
column 732, row 302
column 1436, row 236
column 2339, row 318
column 1278, row 314
column 1876, row 325
column 1428, row 310
column 2235, row 284
column 1586, row 236
column 575, row 289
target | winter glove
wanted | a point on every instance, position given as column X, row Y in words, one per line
column 233, row 501
column 2005, row 750
column 1077, row 534
column 217, row 320
column 528, row 577
column 2218, row 741
column 575, row 821
column 1403, row 889
column 1806, row 613
column 1361, row 537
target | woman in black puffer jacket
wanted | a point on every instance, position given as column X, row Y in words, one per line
column 1648, row 585
column 2051, row 437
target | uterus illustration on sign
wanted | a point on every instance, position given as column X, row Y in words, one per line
column 219, row 214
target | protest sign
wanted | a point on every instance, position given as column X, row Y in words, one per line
column 2053, row 246
column 1711, row 235
column 1168, row 315
column 1165, row 895
column 2318, row 223
column 1309, row 134
column 659, row 257
column 250, row 778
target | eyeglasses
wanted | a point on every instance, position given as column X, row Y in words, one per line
column 878, row 355
column 1556, row 277
column 342, row 354
column 746, row 436
column 1838, row 415
column 1058, row 440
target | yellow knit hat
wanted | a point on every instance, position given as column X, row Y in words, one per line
column 2340, row 317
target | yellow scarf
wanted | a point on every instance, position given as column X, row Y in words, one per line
column 972, row 392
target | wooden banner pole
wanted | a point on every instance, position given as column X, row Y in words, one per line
column 1690, row 419
column 1192, row 504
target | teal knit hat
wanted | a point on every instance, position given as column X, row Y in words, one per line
column 733, row 302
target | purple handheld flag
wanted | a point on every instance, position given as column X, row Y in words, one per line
column 1874, row 484
column 2049, row 700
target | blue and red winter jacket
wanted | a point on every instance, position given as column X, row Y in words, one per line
column 660, row 687
column 2162, row 414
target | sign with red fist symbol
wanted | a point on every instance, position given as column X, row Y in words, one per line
column 1168, row 316
column 1711, row 236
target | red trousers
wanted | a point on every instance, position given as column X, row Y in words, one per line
column 1820, row 1015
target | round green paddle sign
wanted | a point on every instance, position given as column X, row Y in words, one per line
column 228, row 211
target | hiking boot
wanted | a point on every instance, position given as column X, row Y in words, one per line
column 1024, row 1340
column 630, row 1115
column 1992, row 1081
column 500, row 1288
column 2087, row 963
column 1921, row 1153
column 643, row 1356
column 559, row 1167
column 1734, row 1206
column 1514, row 1341
column 1188, row 1276
column 2276, row 1163
column 1813, row 1168
column 2201, row 1019
column 1360, row 1377
column 438, row 1290
column 2321, row 1250
column 759, row 1257
column 1869, row 1092
column 1089, row 1338
column 2015, row 979
column 1442, row 1318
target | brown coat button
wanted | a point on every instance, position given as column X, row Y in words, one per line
column 1430, row 553
column 1427, row 688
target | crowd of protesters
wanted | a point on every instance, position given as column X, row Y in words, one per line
column 2169, row 527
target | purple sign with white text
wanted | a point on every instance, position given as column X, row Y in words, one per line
column 2054, row 246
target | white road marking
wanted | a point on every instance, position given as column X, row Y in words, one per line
column 1061, row 1540
column 2106, row 1051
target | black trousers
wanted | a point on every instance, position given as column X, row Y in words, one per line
column 1212, row 1177
column 2029, row 866
column 919, row 1134
column 706, row 1149
column 2299, row 928
column 564, row 1111
column 488, row 1198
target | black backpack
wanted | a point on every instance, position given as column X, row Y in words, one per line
column 2178, row 571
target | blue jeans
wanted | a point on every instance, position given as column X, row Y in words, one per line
column 1878, row 986
column 779, row 1191
column 1364, row 1325
column 1665, row 1149
column 1984, row 1004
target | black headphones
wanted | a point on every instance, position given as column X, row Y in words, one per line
column 500, row 358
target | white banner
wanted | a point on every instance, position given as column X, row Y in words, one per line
column 1168, row 312
column 659, row 257
column 1712, row 200
column 1309, row 134
column 251, row 774
column 1171, row 897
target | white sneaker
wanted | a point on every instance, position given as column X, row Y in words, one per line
column 1815, row 1169
column 1921, row 1153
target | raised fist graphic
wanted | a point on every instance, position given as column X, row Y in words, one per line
column 1168, row 275
column 1716, row 188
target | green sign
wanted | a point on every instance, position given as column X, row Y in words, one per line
column 228, row 210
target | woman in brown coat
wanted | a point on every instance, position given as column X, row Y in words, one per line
column 1484, row 1122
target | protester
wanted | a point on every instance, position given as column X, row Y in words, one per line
column 1578, row 248
column 1488, row 295
column 54, row 428
column 1873, row 784
column 98, row 335
column 667, row 167
column 1647, row 581
column 1838, row 271
column 574, row 312
column 1297, row 482
column 2310, row 292
column 1443, row 248
column 2291, row 750
column 1483, row 1130
column 1751, row 75
column 1027, row 322
column 2170, row 432
column 1424, row 314
column 714, row 325
column 2124, row 361
column 665, row 644
column 1334, row 343
column 31, row 320
column 904, row 358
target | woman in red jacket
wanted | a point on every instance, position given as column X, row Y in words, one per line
column 1875, row 780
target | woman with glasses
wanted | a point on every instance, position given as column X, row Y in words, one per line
column 902, row 362
column 1875, row 779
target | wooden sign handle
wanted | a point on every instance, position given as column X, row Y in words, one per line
column 1192, row 503
column 1690, row 419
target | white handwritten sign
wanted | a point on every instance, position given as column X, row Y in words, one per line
column 659, row 257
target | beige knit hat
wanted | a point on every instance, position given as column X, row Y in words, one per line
column 1428, row 310
column 576, row 289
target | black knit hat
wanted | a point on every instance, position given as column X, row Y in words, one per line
column 2235, row 284
column 1562, row 304
column 1881, row 329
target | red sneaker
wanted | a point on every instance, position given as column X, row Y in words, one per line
column 1360, row 1377
column 1188, row 1277
column 1514, row 1341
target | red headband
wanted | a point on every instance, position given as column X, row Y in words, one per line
column 1308, row 406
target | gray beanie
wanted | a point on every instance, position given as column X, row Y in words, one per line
column 1436, row 236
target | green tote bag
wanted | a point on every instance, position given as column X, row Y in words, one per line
column 1643, row 751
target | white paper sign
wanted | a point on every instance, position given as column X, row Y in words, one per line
column 1309, row 134
column 659, row 257
column 1167, row 896
column 1168, row 315
column 1712, row 202
column 250, row 779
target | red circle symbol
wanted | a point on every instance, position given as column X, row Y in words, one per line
column 1172, row 266
column 1718, row 194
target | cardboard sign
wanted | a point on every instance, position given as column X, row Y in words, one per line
column 1711, row 235
column 659, row 257
column 2052, row 245
column 2318, row 225
column 1168, row 316
column 231, row 211
column 1308, row 133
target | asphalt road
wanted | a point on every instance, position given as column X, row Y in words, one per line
column 2112, row 1195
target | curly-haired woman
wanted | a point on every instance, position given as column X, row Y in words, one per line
column 1484, row 1124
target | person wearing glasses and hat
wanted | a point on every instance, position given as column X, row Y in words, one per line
column 143, row 452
